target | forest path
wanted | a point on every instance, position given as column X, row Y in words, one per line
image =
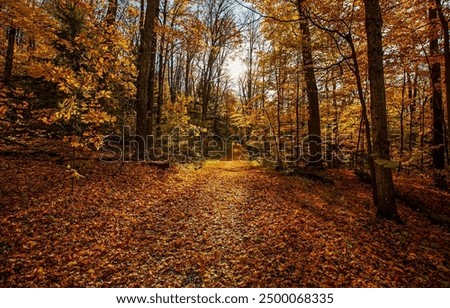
column 233, row 223
column 213, row 228
column 228, row 224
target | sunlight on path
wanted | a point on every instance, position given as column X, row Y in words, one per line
column 225, row 224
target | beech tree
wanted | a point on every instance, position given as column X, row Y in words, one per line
column 386, row 203
column 315, row 141
column 146, row 72
column 444, row 20
column 438, row 150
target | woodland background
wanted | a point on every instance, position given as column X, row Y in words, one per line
column 267, row 72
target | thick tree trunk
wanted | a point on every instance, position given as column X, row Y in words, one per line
column 445, row 29
column 386, row 205
column 145, row 65
column 315, row 146
column 438, row 152
column 11, row 34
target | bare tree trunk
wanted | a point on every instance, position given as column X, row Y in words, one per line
column 152, row 83
column 386, row 205
column 438, row 152
column 206, row 84
column 161, row 73
column 145, row 67
column 297, row 118
column 280, row 98
column 422, row 134
column 412, row 96
column 11, row 34
column 444, row 23
column 402, row 116
column 141, row 18
column 315, row 147
column 187, row 75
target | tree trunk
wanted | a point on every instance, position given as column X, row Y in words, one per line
column 297, row 118
column 151, row 86
column 422, row 134
column 315, row 146
column 161, row 73
column 141, row 18
column 402, row 116
column 280, row 98
column 412, row 96
column 9, row 60
column 145, row 64
column 187, row 75
column 365, row 116
column 206, row 84
column 438, row 151
column 386, row 205
column 445, row 29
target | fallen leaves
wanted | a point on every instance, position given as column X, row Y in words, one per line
column 229, row 224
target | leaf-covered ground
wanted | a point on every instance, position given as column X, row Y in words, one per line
column 228, row 224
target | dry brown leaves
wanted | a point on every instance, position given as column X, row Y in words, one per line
column 229, row 224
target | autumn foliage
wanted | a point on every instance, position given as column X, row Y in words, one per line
column 317, row 116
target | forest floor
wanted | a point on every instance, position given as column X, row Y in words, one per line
column 228, row 224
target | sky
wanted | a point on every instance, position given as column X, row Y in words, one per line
column 236, row 68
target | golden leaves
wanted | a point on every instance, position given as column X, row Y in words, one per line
column 228, row 224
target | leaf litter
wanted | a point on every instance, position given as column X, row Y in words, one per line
column 228, row 224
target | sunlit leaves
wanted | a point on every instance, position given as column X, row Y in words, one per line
column 228, row 224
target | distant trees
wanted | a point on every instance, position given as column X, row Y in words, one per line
column 400, row 119
column 220, row 33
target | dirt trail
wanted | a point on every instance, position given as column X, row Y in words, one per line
column 228, row 224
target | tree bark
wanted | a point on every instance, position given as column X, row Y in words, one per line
column 386, row 205
column 444, row 23
column 315, row 146
column 297, row 117
column 145, row 65
column 9, row 60
column 161, row 72
column 151, row 86
column 438, row 151
column 402, row 116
